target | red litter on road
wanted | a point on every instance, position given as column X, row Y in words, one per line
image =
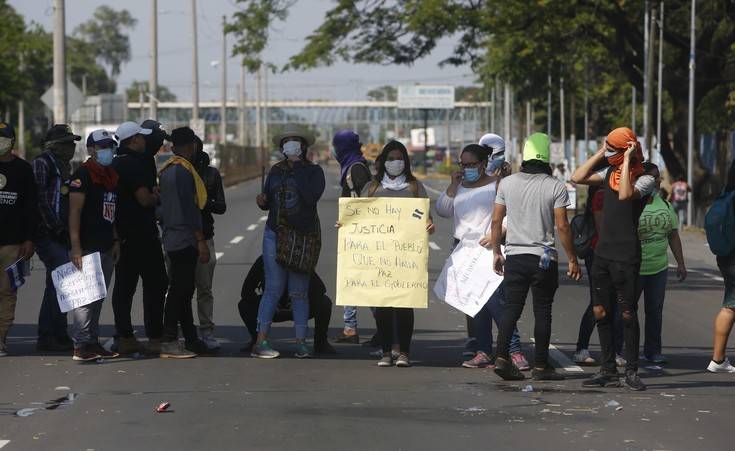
column 163, row 407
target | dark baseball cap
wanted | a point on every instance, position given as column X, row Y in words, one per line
column 60, row 133
column 7, row 130
column 154, row 125
column 183, row 136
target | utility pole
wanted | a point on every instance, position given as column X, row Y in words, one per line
column 60, row 114
column 223, row 86
column 241, row 111
column 258, row 137
column 632, row 110
column 659, row 138
column 492, row 111
column 195, row 64
column 562, row 122
column 690, row 127
column 265, row 105
column 21, row 117
column 141, row 99
column 646, row 67
column 153, row 82
column 528, row 118
column 506, row 113
column 548, row 108
column 572, row 131
column 586, row 118
column 647, row 132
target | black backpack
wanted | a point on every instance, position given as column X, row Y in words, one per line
column 583, row 231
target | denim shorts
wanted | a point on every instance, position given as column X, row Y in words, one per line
column 727, row 268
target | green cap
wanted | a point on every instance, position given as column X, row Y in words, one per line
column 537, row 148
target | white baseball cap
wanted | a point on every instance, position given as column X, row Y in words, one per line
column 129, row 129
column 494, row 142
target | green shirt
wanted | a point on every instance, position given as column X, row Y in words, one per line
column 654, row 228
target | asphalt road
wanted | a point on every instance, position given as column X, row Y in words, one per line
column 233, row 401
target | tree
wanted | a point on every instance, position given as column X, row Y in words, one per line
column 106, row 31
column 383, row 93
column 164, row 94
column 11, row 44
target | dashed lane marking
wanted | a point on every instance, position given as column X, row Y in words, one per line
column 3, row 443
column 218, row 255
column 562, row 360
column 434, row 246
column 263, row 218
column 702, row 273
column 237, row 239
column 252, row 227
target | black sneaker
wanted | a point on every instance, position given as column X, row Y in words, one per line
column 322, row 347
column 51, row 344
column 199, row 347
column 633, row 381
column 506, row 370
column 374, row 342
column 603, row 379
column 547, row 374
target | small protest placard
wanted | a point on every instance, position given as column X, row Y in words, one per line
column 75, row 288
column 383, row 252
column 467, row 280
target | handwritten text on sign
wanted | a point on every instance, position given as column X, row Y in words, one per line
column 76, row 288
column 383, row 252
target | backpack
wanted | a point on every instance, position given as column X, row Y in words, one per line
column 583, row 232
column 719, row 223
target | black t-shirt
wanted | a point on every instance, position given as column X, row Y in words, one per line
column 98, row 213
column 135, row 171
column 619, row 228
column 18, row 202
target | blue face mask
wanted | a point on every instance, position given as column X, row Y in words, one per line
column 494, row 165
column 334, row 153
column 105, row 156
column 471, row 175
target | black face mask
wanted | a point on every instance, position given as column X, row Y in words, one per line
column 153, row 142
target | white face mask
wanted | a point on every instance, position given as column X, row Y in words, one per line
column 6, row 145
column 395, row 168
column 292, row 148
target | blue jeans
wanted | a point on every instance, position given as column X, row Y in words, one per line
column 51, row 322
column 653, row 288
column 350, row 317
column 483, row 323
column 277, row 279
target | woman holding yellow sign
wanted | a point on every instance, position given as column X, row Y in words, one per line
column 394, row 179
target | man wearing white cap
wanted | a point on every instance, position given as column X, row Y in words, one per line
column 140, row 243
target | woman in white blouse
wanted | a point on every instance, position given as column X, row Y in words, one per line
column 469, row 200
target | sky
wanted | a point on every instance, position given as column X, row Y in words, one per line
column 341, row 81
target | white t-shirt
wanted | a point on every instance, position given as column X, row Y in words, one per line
column 471, row 208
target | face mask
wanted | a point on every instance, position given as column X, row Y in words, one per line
column 395, row 168
column 6, row 144
column 64, row 152
column 471, row 175
column 494, row 165
column 334, row 153
column 292, row 148
column 105, row 156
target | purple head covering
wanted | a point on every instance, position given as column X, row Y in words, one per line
column 347, row 151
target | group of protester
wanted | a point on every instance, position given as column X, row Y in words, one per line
column 113, row 205
column 115, row 202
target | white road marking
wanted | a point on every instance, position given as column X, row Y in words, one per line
column 218, row 255
column 263, row 218
column 434, row 246
column 252, row 227
column 237, row 239
column 3, row 443
column 702, row 273
column 562, row 360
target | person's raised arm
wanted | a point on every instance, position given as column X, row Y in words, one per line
column 565, row 236
column 626, row 190
column 585, row 175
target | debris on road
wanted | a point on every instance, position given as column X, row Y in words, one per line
column 612, row 403
column 62, row 388
column 527, row 389
column 163, row 407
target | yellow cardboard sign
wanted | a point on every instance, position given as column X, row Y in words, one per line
column 383, row 252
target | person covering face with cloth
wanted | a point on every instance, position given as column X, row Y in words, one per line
column 51, row 171
column 92, row 203
column 535, row 204
column 19, row 217
column 290, row 195
column 354, row 175
column 468, row 200
column 394, row 179
column 617, row 258
column 183, row 196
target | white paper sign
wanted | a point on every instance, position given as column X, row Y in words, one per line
column 76, row 288
column 467, row 280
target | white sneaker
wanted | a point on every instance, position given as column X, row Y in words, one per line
column 210, row 341
column 620, row 361
column 583, row 357
column 724, row 367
